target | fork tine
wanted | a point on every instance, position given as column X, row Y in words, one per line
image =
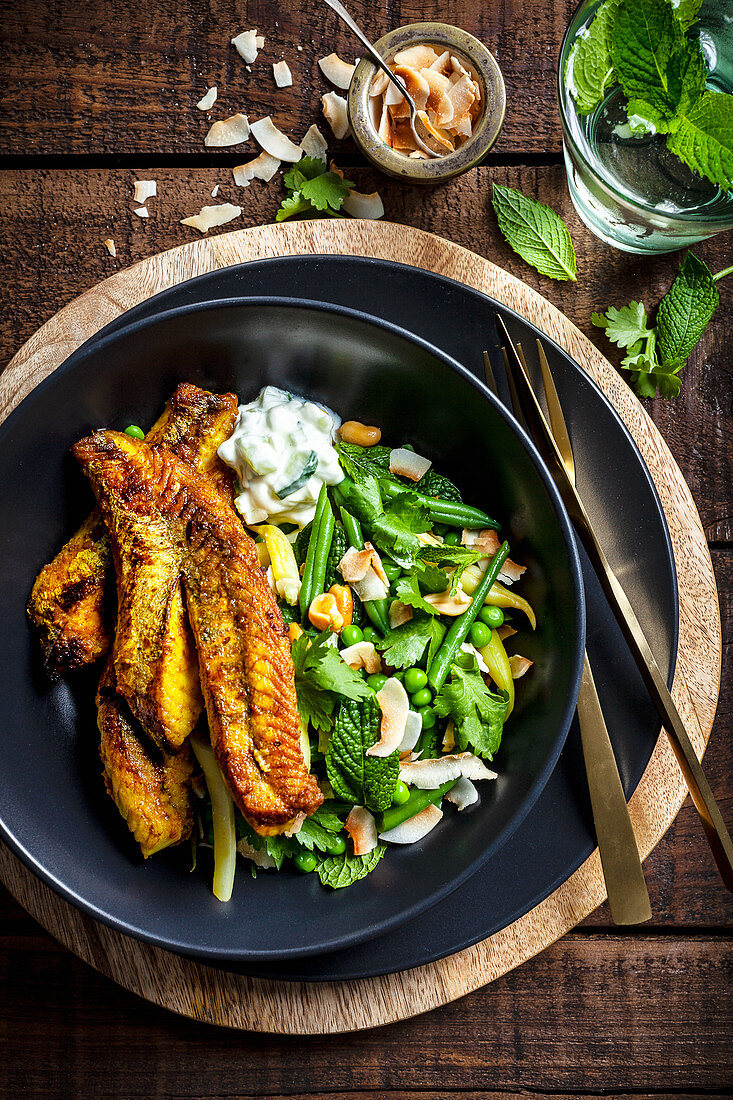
column 489, row 375
column 554, row 408
column 516, row 405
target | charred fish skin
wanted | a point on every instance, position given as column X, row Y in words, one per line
column 152, row 795
column 68, row 604
column 244, row 657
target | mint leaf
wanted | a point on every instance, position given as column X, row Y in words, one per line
column 405, row 645
column 703, row 138
column 478, row 714
column 589, row 66
column 364, row 461
column 326, row 191
column 365, row 780
column 341, row 871
column 535, row 232
column 292, row 205
column 650, row 57
column 320, row 673
column 394, row 536
column 686, row 12
column 686, row 310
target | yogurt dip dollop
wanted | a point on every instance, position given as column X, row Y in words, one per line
column 282, row 451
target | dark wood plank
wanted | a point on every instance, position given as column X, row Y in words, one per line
column 79, row 79
column 589, row 1014
column 53, row 224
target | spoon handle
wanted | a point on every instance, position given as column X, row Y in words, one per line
column 374, row 54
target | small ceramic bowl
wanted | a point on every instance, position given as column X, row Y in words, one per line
column 476, row 58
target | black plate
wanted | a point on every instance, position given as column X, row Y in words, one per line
column 557, row 835
column 52, row 805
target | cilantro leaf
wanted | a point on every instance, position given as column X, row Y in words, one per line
column 363, row 498
column 589, row 66
column 407, row 590
column 408, row 508
column 291, row 205
column 702, row 137
column 277, row 847
column 326, row 191
column 365, row 780
column 341, row 871
column 624, row 326
column 405, row 645
column 650, row 56
column 312, row 834
column 307, row 168
column 478, row 714
column 535, row 232
column 391, row 534
column 686, row 310
column 319, row 674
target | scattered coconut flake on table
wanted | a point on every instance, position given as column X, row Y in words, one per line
column 334, row 109
column 314, row 144
column 262, row 168
column 415, row 828
column 211, row 216
column 142, row 212
column 274, row 141
column 144, row 190
column 359, row 205
column 208, row 101
column 111, row 247
column 246, row 46
column 215, row 192
column 260, row 41
column 283, row 76
column 335, row 69
column 228, row 131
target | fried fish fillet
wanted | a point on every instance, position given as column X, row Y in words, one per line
column 69, row 601
column 149, row 498
column 151, row 794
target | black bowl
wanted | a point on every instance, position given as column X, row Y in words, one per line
column 53, row 810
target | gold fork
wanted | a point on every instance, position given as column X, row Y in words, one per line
column 628, row 899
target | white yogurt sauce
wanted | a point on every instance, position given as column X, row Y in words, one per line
column 279, row 441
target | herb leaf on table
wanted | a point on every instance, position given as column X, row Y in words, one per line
column 535, row 232
column 313, row 189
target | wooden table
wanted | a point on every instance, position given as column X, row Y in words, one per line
column 98, row 96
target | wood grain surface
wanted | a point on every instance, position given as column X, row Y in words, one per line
column 218, row 996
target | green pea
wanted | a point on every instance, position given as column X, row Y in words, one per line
column 135, row 432
column 305, row 862
column 415, row 679
column 391, row 570
column 453, row 538
column 401, row 794
column 464, row 660
column 492, row 616
column 334, row 844
column 370, row 634
column 428, row 717
column 376, row 681
column 480, row 635
column 422, row 698
column 350, row 635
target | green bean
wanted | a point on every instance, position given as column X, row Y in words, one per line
column 417, row 801
column 352, row 528
column 323, row 546
column 458, row 633
column 375, row 609
column 450, row 513
column 304, row 600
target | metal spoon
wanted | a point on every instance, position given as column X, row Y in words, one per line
column 420, row 131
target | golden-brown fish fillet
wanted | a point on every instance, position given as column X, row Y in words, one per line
column 149, row 497
column 69, row 603
column 152, row 794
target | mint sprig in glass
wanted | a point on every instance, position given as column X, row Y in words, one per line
column 645, row 98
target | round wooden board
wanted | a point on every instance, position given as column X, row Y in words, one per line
column 231, row 1000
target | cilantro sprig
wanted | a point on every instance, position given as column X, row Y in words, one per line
column 655, row 354
column 320, row 676
column 478, row 714
column 313, row 190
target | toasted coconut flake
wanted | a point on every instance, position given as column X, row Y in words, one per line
column 379, row 84
column 282, row 74
column 408, row 464
column 335, row 69
column 505, row 631
column 334, row 109
column 413, row 729
column 393, row 96
column 228, row 131
column 415, row 828
column 362, row 655
column 215, row 191
column 144, row 190
column 246, row 46
column 362, row 828
column 442, row 63
column 211, row 216
column 258, row 856
column 445, row 604
column 274, row 141
column 519, row 666
column 369, row 207
column 142, row 212
column 468, row 648
column 487, row 541
column 428, row 775
column 462, row 794
column 363, row 570
column 314, row 144
column 436, row 138
column 111, row 247
column 395, row 706
column 416, row 85
column 417, row 57
column 384, row 131
column 399, row 613
column 262, row 167
column 449, row 737
column 294, row 825
column 207, row 101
